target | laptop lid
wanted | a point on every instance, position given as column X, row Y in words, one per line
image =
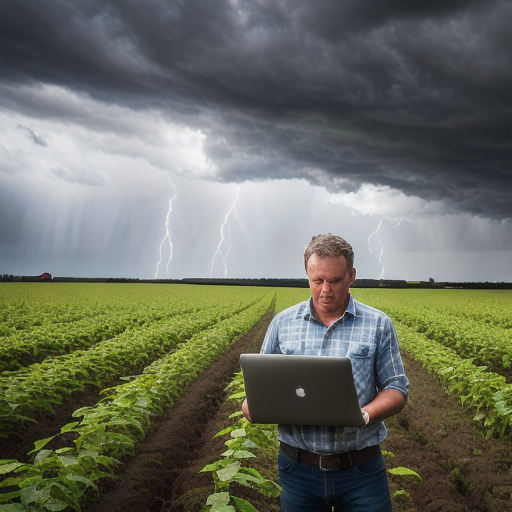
column 301, row 390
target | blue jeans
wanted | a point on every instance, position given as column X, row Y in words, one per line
column 362, row 488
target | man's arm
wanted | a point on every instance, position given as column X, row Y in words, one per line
column 387, row 403
column 391, row 378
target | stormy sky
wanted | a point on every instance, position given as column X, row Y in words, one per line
column 197, row 138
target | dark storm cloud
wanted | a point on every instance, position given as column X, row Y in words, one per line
column 412, row 95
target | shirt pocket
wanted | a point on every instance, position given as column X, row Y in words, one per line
column 361, row 351
column 361, row 356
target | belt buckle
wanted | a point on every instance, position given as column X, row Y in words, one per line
column 323, row 468
column 339, row 464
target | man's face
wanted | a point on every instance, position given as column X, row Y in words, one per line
column 330, row 280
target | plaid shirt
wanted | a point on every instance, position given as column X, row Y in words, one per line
column 365, row 335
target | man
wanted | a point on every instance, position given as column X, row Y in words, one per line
column 334, row 468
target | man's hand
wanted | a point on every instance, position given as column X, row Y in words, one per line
column 245, row 410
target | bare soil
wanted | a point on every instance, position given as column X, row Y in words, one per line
column 460, row 470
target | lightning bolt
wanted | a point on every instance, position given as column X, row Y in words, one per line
column 225, row 237
column 168, row 233
column 375, row 235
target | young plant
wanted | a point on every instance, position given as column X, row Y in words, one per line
column 244, row 440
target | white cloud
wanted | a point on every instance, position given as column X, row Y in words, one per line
column 384, row 201
column 87, row 140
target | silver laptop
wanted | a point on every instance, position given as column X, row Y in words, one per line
column 301, row 390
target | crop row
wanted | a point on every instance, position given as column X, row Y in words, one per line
column 42, row 385
column 54, row 319
column 18, row 316
column 66, row 476
column 487, row 344
column 491, row 307
column 24, row 306
column 485, row 391
column 27, row 305
column 470, row 339
column 34, row 344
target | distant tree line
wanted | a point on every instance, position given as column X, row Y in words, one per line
column 295, row 283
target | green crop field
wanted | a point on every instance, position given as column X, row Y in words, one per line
column 143, row 344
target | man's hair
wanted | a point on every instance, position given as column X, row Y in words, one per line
column 329, row 246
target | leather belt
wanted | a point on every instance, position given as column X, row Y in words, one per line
column 333, row 461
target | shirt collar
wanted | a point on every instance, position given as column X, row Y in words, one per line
column 307, row 312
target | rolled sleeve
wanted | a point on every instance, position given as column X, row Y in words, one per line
column 390, row 369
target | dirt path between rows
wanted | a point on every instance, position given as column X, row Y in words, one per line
column 433, row 436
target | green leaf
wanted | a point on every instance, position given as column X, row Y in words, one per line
column 8, row 482
column 229, row 472
column 218, row 499
column 244, row 505
column 55, row 505
column 82, row 411
column 236, row 396
column 8, row 497
column 16, row 507
column 239, row 432
column 42, row 456
column 30, row 494
column 214, row 466
column 6, row 466
column 66, row 449
column 42, row 443
column 68, row 461
column 61, row 498
column 108, row 462
column 243, row 454
column 223, row 431
column 119, row 439
column 30, row 482
column 82, row 479
column 248, row 480
column 401, row 471
column 251, row 471
column 69, row 427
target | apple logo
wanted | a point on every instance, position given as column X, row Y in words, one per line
column 300, row 392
